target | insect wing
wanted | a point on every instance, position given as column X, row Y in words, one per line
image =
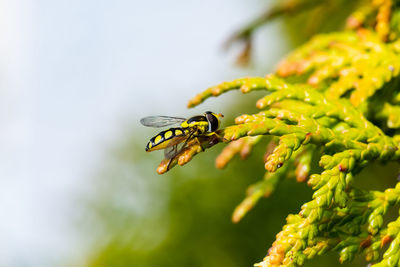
column 171, row 152
column 174, row 147
column 160, row 121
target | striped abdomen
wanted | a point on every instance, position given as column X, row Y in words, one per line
column 166, row 138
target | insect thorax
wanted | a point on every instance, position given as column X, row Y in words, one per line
column 198, row 125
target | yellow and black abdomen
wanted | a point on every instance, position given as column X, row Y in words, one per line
column 166, row 138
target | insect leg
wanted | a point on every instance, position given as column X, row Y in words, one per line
column 198, row 141
column 220, row 138
column 179, row 151
column 171, row 155
column 169, row 163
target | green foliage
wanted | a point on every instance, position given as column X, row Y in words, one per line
column 333, row 101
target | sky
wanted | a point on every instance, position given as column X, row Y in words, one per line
column 74, row 76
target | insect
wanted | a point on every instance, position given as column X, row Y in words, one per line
column 171, row 139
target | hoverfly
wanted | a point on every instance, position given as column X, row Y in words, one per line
column 169, row 140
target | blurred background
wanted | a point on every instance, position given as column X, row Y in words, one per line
column 77, row 187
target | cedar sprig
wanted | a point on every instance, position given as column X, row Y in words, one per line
column 330, row 95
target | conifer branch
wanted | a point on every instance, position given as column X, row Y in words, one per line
column 337, row 94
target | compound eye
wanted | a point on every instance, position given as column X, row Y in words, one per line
column 212, row 121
